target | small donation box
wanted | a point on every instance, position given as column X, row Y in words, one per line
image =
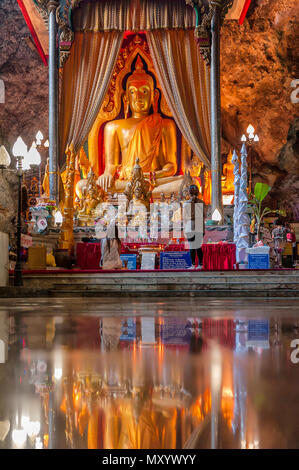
column 259, row 257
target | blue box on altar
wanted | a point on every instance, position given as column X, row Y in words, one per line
column 175, row 260
column 132, row 260
column 259, row 257
column 258, row 261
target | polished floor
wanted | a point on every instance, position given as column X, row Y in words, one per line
column 173, row 374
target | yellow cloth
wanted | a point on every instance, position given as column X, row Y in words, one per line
column 84, row 163
column 51, row 260
column 144, row 144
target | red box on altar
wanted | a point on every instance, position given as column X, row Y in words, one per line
column 88, row 255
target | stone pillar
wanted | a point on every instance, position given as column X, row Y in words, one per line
column 53, row 101
column 216, row 164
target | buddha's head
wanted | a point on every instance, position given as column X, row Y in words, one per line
column 140, row 90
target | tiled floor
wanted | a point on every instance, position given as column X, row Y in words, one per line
column 132, row 373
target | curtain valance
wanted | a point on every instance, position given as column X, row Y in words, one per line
column 132, row 15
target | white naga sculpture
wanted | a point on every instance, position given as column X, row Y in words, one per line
column 243, row 218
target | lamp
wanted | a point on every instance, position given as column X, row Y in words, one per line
column 250, row 129
column 4, row 157
column 33, row 156
column 39, row 137
column 20, row 148
column 46, row 144
column 216, row 215
column 58, row 218
column 252, row 139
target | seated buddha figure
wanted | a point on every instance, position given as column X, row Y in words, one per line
column 145, row 136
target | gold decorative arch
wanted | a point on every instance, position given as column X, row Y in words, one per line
column 113, row 100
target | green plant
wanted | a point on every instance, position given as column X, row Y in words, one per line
column 261, row 190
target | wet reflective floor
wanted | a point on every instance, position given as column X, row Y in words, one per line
column 151, row 374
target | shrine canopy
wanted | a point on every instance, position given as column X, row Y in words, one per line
column 99, row 29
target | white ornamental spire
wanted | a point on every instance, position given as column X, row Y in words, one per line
column 243, row 219
column 235, row 161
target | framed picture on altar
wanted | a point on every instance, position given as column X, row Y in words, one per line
column 129, row 261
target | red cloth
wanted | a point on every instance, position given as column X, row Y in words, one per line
column 88, row 255
column 219, row 256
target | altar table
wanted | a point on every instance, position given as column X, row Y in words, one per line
column 219, row 256
column 88, row 255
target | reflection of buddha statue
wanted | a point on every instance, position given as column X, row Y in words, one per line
column 146, row 136
column 228, row 173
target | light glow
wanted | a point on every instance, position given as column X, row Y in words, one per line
column 4, row 157
column 39, row 136
column 32, row 428
column 33, row 156
column 216, row 215
column 20, row 148
column 58, row 218
column 58, row 373
column 19, row 437
column 250, row 129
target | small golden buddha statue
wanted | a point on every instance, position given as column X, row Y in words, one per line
column 146, row 136
column 91, row 196
column 228, row 174
column 137, row 191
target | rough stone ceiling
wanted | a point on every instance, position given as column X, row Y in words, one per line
column 25, row 110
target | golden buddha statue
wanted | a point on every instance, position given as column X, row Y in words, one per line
column 146, row 136
column 228, row 175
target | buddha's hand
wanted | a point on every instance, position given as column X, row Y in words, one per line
column 105, row 181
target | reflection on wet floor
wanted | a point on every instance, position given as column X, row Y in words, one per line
column 147, row 382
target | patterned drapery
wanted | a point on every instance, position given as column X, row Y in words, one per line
column 86, row 77
column 185, row 82
column 132, row 15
